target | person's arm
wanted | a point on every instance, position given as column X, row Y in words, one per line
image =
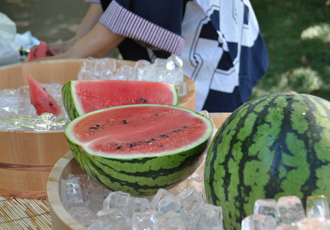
column 96, row 43
column 89, row 21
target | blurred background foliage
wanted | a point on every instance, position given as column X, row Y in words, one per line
column 297, row 36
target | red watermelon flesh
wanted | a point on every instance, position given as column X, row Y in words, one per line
column 40, row 51
column 139, row 130
column 42, row 100
column 88, row 96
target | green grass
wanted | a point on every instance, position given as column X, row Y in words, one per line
column 297, row 37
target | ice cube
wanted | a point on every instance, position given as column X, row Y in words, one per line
column 87, row 69
column 161, row 193
column 83, row 215
column 204, row 216
column 104, row 68
column 54, row 89
column 8, row 102
column 258, row 222
column 177, row 75
column 267, row 207
column 188, row 198
column 102, row 223
column 171, row 221
column 313, row 224
column 45, row 122
column 117, row 199
column 197, row 181
column 291, row 209
column 169, row 203
column 166, row 76
column 137, row 204
column 140, row 64
column 147, row 220
column 125, row 72
column 182, row 89
column 174, row 62
column 116, row 217
column 160, row 62
column 149, row 73
column 111, row 63
column 71, row 193
column 95, row 202
column 317, row 207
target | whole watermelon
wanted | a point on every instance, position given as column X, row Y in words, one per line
column 271, row 146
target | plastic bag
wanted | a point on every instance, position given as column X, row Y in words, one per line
column 26, row 40
column 7, row 28
column 8, row 51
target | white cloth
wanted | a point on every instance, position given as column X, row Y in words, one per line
column 235, row 24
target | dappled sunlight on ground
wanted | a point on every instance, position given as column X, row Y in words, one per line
column 320, row 31
column 300, row 80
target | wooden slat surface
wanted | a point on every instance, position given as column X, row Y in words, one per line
column 18, row 213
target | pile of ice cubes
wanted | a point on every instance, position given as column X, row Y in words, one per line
column 161, row 70
column 17, row 113
column 183, row 207
column 288, row 213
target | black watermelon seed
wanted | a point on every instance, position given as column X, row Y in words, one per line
column 51, row 104
column 97, row 125
column 141, row 99
column 145, row 101
column 156, row 115
column 132, row 144
column 185, row 127
column 118, row 147
column 160, row 146
column 147, row 141
column 124, row 122
column 92, row 128
column 152, row 139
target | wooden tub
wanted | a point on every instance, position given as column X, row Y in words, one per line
column 61, row 219
column 27, row 157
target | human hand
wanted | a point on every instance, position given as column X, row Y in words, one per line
column 60, row 48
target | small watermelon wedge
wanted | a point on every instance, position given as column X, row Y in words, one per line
column 40, row 51
column 81, row 97
column 42, row 100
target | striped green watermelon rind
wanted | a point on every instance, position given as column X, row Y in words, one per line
column 270, row 147
column 140, row 175
column 74, row 108
column 68, row 101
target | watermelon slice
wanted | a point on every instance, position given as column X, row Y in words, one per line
column 42, row 100
column 39, row 52
column 80, row 97
column 139, row 148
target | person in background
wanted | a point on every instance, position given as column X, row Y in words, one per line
column 219, row 42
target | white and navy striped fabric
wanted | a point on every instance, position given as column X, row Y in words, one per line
column 224, row 51
column 218, row 40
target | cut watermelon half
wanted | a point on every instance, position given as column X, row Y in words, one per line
column 80, row 97
column 40, row 51
column 42, row 100
column 139, row 148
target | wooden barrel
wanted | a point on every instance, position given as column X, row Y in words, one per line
column 27, row 157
